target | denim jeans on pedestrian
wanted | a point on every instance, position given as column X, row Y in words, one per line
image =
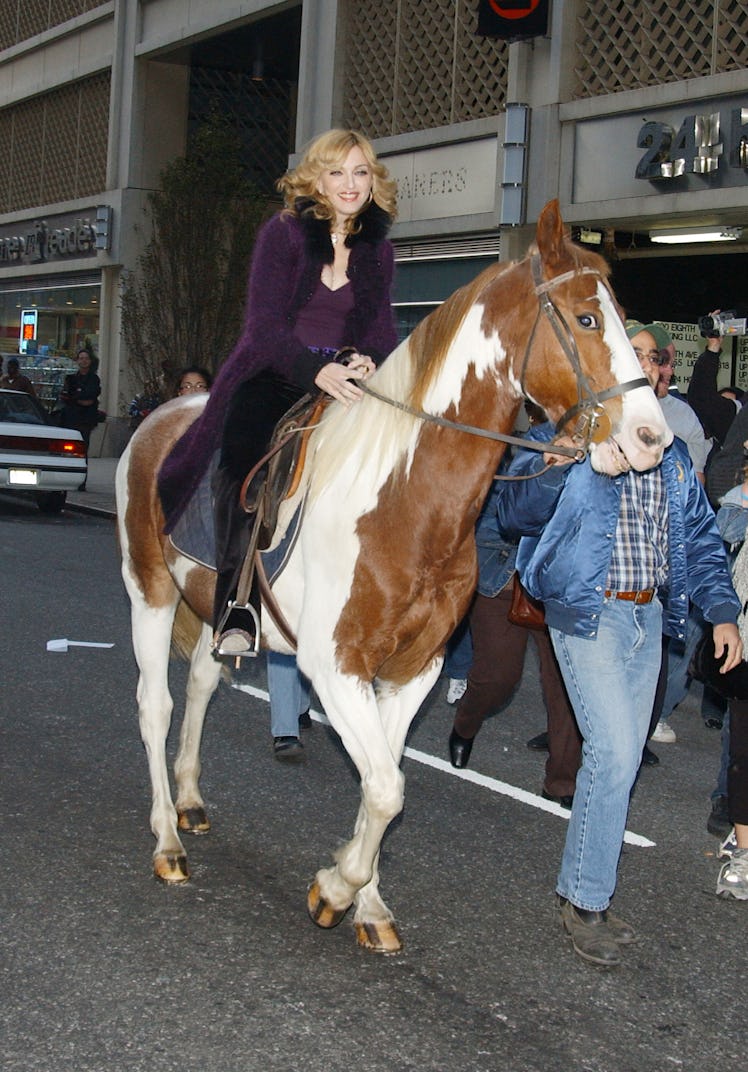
column 459, row 654
column 678, row 679
column 611, row 683
column 289, row 694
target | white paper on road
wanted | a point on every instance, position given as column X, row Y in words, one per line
column 63, row 645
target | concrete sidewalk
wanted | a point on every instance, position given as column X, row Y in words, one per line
column 98, row 498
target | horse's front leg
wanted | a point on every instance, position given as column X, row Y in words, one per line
column 151, row 637
column 374, row 923
column 375, row 745
column 205, row 672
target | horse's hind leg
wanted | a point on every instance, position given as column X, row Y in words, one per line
column 151, row 637
column 201, row 684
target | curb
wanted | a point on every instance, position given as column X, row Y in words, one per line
column 94, row 511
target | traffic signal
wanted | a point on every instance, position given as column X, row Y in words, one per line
column 511, row 19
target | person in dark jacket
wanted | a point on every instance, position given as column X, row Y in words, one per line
column 14, row 380
column 615, row 561
column 318, row 317
column 80, row 396
column 715, row 410
column 499, row 649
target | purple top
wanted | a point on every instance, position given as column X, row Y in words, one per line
column 290, row 252
column 322, row 321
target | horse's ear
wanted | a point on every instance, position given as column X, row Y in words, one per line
column 550, row 237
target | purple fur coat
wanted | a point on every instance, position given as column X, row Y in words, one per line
column 286, row 266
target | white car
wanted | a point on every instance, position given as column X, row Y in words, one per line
column 36, row 457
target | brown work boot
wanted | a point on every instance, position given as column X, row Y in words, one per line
column 591, row 935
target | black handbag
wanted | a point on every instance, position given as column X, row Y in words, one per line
column 705, row 668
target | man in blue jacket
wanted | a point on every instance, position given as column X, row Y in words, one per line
column 615, row 561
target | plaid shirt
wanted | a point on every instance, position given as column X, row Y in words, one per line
column 640, row 548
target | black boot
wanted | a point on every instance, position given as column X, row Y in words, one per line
column 460, row 749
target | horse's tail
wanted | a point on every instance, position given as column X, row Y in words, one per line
column 185, row 632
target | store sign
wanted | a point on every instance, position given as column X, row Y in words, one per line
column 45, row 240
column 697, row 147
column 457, row 180
column 689, row 343
column 661, row 150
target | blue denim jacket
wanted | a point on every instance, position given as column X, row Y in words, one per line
column 732, row 518
column 567, row 518
column 496, row 554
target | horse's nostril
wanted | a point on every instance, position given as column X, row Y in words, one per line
column 648, row 437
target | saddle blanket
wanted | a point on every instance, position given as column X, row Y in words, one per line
column 194, row 534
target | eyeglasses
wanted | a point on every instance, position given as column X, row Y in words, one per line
column 193, row 387
column 653, row 356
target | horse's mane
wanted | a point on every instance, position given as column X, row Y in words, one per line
column 383, row 436
column 377, row 438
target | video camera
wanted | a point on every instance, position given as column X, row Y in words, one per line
column 719, row 324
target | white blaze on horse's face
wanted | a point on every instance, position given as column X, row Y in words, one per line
column 643, row 432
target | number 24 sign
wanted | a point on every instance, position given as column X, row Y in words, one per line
column 696, row 148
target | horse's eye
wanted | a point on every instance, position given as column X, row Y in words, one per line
column 588, row 321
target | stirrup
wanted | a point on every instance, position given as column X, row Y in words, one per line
column 238, row 632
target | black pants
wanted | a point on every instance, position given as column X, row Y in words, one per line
column 253, row 413
column 737, row 772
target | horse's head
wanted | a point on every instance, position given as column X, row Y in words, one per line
column 578, row 363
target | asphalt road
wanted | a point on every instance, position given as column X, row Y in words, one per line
column 102, row 968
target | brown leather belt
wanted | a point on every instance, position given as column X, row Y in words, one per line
column 642, row 595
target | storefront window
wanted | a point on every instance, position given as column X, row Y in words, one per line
column 45, row 326
column 60, row 319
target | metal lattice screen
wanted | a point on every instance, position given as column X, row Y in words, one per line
column 55, row 145
column 411, row 65
column 21, row 19
column 628, row 46
column 263, row 111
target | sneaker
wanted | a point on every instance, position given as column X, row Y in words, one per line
column 728, row 846
column 733, row 877
column 663, row 733
column 718, row 824
column 456, row 689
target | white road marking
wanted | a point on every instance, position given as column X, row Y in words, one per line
column 495, row 785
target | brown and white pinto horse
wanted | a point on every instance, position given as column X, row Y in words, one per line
column 385, row 564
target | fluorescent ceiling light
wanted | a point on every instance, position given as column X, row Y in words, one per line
column 697, row 234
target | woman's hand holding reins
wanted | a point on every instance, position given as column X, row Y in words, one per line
column 335, row 379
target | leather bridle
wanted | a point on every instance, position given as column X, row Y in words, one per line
column 594, row 423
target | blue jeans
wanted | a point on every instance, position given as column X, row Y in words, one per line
column 289, row 694
column 678, row 679
column 459, row 654
column 611, row 683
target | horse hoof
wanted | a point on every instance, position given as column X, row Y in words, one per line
column 379, row 937
column 171, row 868
column 321, row 913
column 193, row 821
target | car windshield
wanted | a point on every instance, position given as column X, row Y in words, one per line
column 16, row 408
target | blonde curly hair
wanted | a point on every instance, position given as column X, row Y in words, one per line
column 326, row 151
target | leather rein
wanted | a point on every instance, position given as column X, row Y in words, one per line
column 591, row 427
